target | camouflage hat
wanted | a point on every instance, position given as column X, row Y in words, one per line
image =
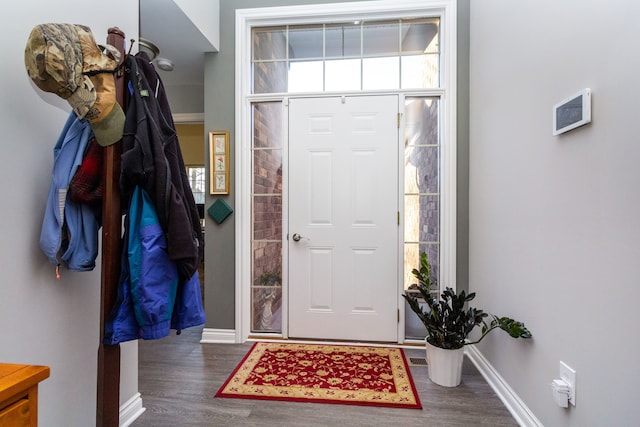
column 64, row 59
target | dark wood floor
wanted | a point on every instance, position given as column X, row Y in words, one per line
column 179, row 377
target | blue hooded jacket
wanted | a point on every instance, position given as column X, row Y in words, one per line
column 69, row 232
column 150, row 301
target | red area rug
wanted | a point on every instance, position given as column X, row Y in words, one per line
column 344, row 374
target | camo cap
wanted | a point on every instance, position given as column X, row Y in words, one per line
column 64, row 59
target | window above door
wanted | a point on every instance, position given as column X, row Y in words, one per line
column 353, row 56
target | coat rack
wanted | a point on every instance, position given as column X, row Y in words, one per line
column 108, row 384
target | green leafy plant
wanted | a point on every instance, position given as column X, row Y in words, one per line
column 447, row 320
column 270, row 278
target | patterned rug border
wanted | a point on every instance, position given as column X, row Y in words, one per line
column 352, row 348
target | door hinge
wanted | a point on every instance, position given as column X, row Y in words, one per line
column 399, row 120
column 398, row 217
column 398, row 315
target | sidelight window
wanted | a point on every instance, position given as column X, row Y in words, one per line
column 266, row 194
column 421, row 195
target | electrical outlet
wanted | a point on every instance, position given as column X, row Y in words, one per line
column 568, row 375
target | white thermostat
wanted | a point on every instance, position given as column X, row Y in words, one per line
column 572, row 112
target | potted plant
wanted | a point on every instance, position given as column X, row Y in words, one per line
column 449, row 324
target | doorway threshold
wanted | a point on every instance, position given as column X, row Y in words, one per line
column 257, row 338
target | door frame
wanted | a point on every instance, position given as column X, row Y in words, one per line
column 246, row 20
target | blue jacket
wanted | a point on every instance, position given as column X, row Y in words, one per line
column 149, row 301
column 69, row 234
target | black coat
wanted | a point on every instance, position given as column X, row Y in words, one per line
column 151, row 158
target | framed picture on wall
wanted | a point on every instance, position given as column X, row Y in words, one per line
column 219, row 162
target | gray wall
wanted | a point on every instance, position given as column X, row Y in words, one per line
column 554, row 235
column 47, row 321
column 462, row 201
column 185, row 99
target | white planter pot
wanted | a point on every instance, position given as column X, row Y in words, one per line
column 445, row 366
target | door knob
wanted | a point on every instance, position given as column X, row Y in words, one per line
column 296, row 237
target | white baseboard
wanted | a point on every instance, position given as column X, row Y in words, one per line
column 218, row 336
column 131, row 410
column 511, row 400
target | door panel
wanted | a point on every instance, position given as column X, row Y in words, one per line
column 343, row 204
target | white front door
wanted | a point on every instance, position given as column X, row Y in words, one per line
column 343, row 218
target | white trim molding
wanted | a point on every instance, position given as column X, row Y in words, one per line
column 184, row 118
column 218, row 336
column 511, row 400
column 131, row 410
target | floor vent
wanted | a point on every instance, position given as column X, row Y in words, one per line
column 417, row 361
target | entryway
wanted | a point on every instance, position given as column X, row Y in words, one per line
column 343, row 218
column 312, row 88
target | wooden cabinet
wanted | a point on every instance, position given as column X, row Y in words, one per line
column 19, row 394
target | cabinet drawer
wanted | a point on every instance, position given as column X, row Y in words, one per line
column 16, row 415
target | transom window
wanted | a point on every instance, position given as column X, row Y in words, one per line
column 355, row 56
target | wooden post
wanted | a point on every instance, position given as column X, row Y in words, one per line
column 108, row 394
